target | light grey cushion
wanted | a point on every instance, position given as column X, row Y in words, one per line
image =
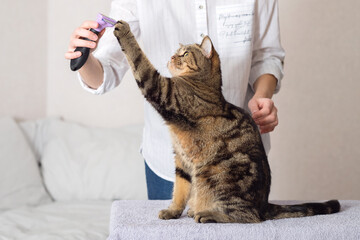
column 139, row 220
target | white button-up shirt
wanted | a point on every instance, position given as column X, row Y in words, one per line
column 244, row 32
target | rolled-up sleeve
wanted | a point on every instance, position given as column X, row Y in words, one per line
column 268, row 54
column 109, row 52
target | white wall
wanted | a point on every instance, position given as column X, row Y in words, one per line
column 23, row 47
column 65, row 97
column 315, row 149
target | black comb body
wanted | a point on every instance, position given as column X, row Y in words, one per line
column 77, row 63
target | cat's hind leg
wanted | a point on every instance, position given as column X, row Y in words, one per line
column 181, row 193
column 212, row 217
column 242, row 215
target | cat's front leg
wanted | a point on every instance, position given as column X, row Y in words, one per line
column 158, row 90
column 181, row 193
column 191, row 204
column 129, row 45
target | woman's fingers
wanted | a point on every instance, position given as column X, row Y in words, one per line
column 84, row 33
column 90, row 24
column 72, row 55
column 268, row 128
column 82, row 43
column 264, row 114
column 265, row 106
column 78, row 37
column 267, row 119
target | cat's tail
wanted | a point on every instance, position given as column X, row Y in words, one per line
column 274, row 211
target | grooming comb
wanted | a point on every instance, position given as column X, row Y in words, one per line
column 104, row 21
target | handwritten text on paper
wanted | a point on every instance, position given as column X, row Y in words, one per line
column 234, row 27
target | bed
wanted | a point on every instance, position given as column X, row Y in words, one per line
column 63, row 180
column 58, row 178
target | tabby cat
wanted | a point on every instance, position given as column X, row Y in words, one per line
column 222, row 170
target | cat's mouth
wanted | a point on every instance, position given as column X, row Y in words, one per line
column 174, row 67
column 173, row 70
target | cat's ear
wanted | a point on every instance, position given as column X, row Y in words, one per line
column 207, row 47
column 181, row 45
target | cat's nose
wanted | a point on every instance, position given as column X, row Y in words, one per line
column 172, row 58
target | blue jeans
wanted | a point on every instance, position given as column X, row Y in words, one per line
column 157, row 187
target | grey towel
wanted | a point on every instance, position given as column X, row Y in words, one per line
column 135, row 219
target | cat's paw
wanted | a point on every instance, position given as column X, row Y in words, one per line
column 122, row 29
column 205, row 217
column 190, row 213
column 169, row 214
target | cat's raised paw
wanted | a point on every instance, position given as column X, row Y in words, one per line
column 169, row 214
column 122, row 28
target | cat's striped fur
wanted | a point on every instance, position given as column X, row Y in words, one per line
column 222, row 170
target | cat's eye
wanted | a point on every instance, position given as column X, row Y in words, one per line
column 185, row 54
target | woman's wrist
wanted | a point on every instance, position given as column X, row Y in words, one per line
column 265, row 86
column 92, row 72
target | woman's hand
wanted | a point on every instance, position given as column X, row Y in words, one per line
column 76, row 39
column 264, row 113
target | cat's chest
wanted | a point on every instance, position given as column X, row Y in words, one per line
column 187, row 144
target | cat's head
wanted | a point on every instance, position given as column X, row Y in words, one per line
column 195, row 60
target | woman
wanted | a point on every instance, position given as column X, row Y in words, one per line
column 244, row 32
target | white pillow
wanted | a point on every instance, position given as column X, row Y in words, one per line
column 32, row 130
column 81, row 163
column 20, row 179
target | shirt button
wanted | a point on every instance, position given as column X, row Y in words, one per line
column 202, row 35
column 201, row 6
